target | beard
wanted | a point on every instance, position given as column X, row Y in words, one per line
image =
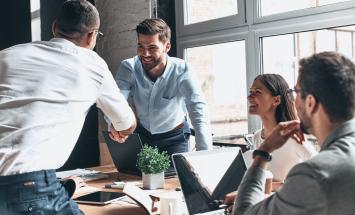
column 304, row 128
column 305, row 122
column 148, row 66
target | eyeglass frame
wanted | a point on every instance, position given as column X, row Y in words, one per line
column 293, row 92
column 99, row 32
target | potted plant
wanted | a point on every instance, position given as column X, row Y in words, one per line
column 152, row 164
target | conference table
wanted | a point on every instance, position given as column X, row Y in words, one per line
column 126, row 206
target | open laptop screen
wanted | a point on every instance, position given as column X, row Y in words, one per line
column 211, row 165
column 207, row 176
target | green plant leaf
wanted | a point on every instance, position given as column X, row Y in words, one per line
column 151, row 161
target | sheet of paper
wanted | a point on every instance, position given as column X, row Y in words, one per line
column 139, row 196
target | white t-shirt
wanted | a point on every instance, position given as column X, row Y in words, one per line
column 284, row 158
column 46, row 90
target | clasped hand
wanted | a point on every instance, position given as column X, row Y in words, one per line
column 121, row 136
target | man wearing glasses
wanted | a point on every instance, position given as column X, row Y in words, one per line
column 325, row 101
column 161, row 87
column 46, row 90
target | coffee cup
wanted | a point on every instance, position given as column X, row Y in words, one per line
column 171, row 205
column 268, row 182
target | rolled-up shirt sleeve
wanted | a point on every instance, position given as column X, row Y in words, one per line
column 114, row 105
column 302, row 193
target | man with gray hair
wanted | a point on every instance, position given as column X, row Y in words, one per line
column 46, row 90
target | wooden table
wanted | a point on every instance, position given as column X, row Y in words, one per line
column 120, row 207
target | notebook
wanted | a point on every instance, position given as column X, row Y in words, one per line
column 207, row 176
column 124, row 155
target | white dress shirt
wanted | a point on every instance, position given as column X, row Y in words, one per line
column 46, row 90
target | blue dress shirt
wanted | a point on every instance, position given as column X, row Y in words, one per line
column 160, row 105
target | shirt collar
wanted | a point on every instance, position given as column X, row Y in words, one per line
column 167, row 67
column 62, row 41
column 342, row 130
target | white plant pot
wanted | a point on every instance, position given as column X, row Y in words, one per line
column 153, row 181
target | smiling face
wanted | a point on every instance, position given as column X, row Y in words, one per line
column 152, row 53
column 261, row 101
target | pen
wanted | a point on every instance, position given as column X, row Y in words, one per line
column 116, row 186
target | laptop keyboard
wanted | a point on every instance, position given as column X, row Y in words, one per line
column 93, row 176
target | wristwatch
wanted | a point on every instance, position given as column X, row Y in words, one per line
column 265, row 155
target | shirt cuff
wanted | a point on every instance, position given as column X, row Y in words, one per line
column 124, row 124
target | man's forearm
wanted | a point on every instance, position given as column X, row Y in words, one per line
column 251, row 190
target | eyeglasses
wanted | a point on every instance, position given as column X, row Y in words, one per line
column 98, row 32
column 292, row 93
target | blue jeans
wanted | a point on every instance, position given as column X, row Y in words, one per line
column 37, row 193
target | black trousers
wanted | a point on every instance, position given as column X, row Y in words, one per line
column 174, row 141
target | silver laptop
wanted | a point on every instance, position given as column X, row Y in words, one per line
column 207, row 176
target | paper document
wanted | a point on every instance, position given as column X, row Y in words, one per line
column 85, row 174
column 139, row 196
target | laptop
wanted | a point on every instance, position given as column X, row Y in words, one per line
column 207, row 176
column 124, row 155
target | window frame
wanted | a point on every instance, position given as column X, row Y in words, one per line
column 35, row 14
column 209, row 25
column 255, row 28
column 300, row 12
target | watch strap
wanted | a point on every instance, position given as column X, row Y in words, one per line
column 264, row 154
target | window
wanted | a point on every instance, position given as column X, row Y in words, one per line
column 202, row 10
column 228, row 46
column 269, row 7
column 35, row 20
column 197, row 16
column 281, row 53
column 218, row 66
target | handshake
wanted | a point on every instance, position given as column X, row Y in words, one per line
column 121, row 136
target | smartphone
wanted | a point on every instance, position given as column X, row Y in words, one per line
column 249, row 140
column 100, row 197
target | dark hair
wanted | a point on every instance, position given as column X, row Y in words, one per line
column 278, row 86
column 77, row 16
column 330, row 78
column 154, row 26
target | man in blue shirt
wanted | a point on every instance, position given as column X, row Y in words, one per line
column 160, row 87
